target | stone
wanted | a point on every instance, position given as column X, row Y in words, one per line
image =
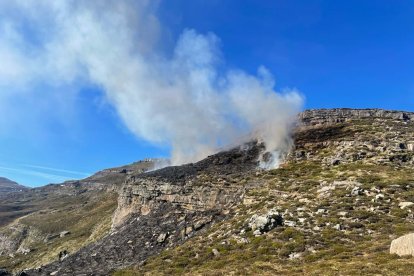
column 304, row 200
column 336, row 162
column 294, row 255
column 201, row 223
column 54, row 273
column 257, row 233
column 162, row 237
column 188, row 230
column 403, row 246
column 376, row 190
column 405, row 204
column 24, row 251
column 321, row 211
column 289, row 223
column 265, row 223
column 356, row 191
column 216, row 252
column 64, row 234
column 241, row 240
column 342, row 213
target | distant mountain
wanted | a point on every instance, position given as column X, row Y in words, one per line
column 7, row 186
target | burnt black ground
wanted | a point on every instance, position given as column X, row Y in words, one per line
column 136, row 239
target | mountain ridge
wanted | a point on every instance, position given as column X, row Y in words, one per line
column 7, row 186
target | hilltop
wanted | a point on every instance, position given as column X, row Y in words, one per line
column 7, row 186
column 343, row 193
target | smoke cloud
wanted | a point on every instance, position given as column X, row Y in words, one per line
column 183, row 97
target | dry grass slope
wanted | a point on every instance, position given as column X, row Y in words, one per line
column 87, row 217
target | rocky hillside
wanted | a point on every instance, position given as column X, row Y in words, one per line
column 37, row 225
column 8, row 186
column 344, row 194
column 164, row 208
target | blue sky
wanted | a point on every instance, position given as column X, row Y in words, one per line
column 336, row 53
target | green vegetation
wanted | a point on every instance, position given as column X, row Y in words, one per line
column 359, row 248
column 87, row 217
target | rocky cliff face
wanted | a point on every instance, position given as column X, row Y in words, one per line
column 163, row 208
column 211, row 184
column 340, row 115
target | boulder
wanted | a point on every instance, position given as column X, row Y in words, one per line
column 406, row 204
column 24, row 251
column 356, row 191
column 403, row 246
column 260, row 224
column 201, row 223
column 322, row 211
column 64, row 233
column 162, row 237
column 336, row 162
column 294, row 255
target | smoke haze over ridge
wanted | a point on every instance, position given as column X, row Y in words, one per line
column 183, row 97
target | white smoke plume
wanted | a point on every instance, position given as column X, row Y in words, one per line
column 182, row 97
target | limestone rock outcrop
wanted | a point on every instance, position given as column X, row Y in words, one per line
column 260, row 224
column 403, row 246
column 210, row 184
column 338, row 115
